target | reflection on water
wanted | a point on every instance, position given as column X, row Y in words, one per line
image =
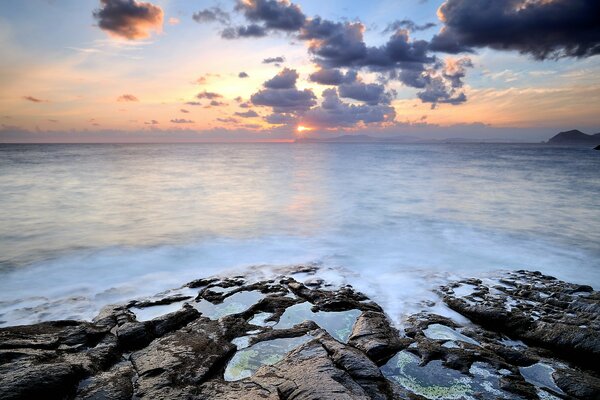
column 105, row 223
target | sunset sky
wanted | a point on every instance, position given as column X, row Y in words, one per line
column 175, row 70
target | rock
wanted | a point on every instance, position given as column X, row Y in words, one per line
column 115, row 384
column 27, row 380
column 373, row 334
column 172, row 365
column 308, row 373
column 134, row 335
column 540, row 310
column 183, row 355
column 578, row 384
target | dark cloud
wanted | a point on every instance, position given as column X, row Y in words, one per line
column 247, row 114
column 370, row 93
column 332, row 76
column 243, row 75
column 252, row 30
column 245, row 105
column 335, row 44
column 33, row 99
column 184, row 111
column 182, row 121
column 127, row 98
column 408, row 25
column 216, row 103
column 443, row 85
column 281, row 94
column 152, row 122
column 193, row 103
column 281, row 119
column 129, row 19
column 272, row 60
column 285, row 100
column 334, row 113
column 214, row 14
column 274, row 14
column 286, row 79
column 542, row 29
column 208, row 95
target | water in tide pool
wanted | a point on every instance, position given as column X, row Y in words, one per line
column 82, row 226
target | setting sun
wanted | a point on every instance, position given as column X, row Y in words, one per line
column 302, row 128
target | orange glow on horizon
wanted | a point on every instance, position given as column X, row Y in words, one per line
column 302, row 128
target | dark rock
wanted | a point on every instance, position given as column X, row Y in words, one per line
column 26, row 380
column 172, row 365
column 373, row 334
column 578, row 384
column 308, row 373
column 134, row 335
column 115, row 384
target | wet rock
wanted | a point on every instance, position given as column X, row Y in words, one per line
column 27, row 380
column 373, row 334
column 578, row 384
column 308, row 373
column 115, row 384
column 538, row 309
column 172, row 365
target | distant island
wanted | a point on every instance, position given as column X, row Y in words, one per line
column 575, row 137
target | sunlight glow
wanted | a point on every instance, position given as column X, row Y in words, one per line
column 302, row 128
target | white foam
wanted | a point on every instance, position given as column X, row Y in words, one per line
column 398, row 269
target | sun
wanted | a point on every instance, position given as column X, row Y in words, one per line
column 302, row 128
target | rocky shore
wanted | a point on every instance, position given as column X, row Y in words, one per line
column 531, row 336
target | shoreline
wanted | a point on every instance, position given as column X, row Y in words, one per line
column 529, row 336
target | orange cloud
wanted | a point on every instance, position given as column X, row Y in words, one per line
column 129, row 19
column 127, row 97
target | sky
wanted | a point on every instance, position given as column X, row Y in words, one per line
column 275, row 70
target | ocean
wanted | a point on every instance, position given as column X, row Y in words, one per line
column 82, row 226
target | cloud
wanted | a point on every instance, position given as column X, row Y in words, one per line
column 540, row 28
column 274, row 14
column 243, row 75
column 281, row 119
column 443, row 85
column 272, row 60
column 183, row 110
column 334, row 113
column 281, row 94
column 208, row 95
column 285, row 100
column 331, row 76
column 286, row 79
column 214, row 14
column 33, row 99
column 228, row 120
column 174, row 21
column 182, row 121
column 129, row 19
column 193, row 103
column 251, row 30
column 215, row 103
column 408, row 25
column 247, row 114
column 152, row 122
column 127, row 98
column 370, row 93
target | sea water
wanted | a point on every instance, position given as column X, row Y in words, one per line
column 82, row 226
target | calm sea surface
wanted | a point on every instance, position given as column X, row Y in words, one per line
column 82, row 226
